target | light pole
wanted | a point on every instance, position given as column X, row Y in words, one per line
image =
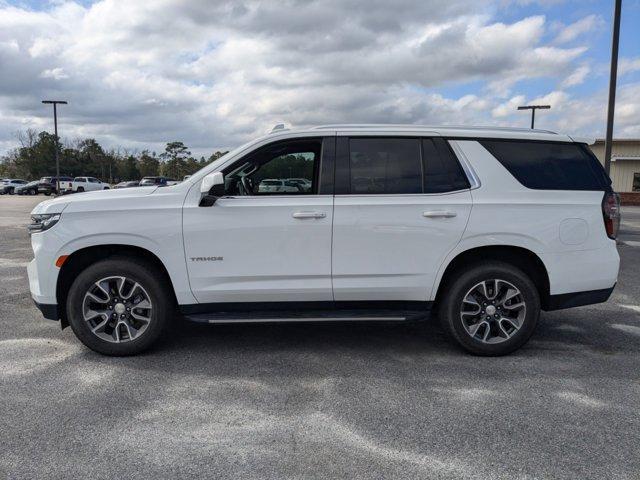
column 533, row 109
column 55, row 126
column 613, row 78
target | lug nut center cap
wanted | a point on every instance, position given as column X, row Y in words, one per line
column 491, row 310
column 119, row 308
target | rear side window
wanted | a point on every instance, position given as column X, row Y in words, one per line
column 550, row 165
column 442, row 172
column 385, row 165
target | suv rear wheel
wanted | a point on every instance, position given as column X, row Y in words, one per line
column 119, row 306
column 490, row 309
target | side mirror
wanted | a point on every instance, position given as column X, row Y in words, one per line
column 212, row 188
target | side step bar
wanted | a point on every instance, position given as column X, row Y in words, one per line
column 307, row 316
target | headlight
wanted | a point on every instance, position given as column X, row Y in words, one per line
column 43, row 222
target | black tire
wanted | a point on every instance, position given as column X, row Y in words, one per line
column 449, row 310
column 33, row 192
column 143, row 273
column 80, row 189
column 47, row 193
column 11, row 191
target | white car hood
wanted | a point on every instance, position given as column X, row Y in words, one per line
column 57, row 205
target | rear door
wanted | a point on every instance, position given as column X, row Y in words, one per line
column 401, row 205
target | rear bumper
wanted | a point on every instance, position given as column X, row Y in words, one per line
column 578, row 299
column 49, row 311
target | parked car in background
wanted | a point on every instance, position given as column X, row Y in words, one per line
column 127, row 184
column 186, row 177
column 304, row 183
column 30, row 188
column 276, row 185
column 86, row 184
column 48, row 185
column 8, row 185
column 157, row 181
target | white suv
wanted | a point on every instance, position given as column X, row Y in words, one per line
column 485, row 227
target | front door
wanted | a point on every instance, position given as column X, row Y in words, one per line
column 269, row 238
column 401, row 206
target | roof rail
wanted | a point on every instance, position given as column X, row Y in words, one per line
column 430, row 127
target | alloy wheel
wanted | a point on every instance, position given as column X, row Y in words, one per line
column 117, row 309
column 492, row 311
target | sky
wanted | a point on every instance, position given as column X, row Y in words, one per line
column 216, row 74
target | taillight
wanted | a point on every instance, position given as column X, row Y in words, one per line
column 611, row 213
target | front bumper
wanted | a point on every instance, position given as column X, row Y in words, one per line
column 49, row 311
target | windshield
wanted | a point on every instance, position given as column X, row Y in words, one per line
column 148, row 181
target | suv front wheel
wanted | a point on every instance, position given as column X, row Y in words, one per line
column 119, row 306
column 491, row 309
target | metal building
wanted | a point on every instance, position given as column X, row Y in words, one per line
column 625, row 166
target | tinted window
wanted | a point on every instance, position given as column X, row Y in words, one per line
column 284, row 168
column 550, row 165
column 442, row 172
column 385, row 165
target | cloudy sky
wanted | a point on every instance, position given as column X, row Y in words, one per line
column 214, row 74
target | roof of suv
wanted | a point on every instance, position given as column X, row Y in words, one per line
column 445, row 131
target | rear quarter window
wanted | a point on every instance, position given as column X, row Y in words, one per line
column 550, row 165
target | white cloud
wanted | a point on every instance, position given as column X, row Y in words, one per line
column 213, row 74
column 578, row 28
column 628, row 65
column 507, row 108
column 577, row 76
column 55, row 73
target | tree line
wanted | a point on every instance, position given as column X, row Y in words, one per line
column 35, row 158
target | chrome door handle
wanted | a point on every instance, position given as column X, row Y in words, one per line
column 309, row 215
column 439, row 214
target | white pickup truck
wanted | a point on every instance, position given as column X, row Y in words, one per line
column 86, row 184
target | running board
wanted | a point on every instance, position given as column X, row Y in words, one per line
column 307, row 316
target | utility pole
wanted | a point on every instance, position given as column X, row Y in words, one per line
column 55, row 126
column 533, row 109
column 613, row 78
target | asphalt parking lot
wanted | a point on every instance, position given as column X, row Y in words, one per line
column 319, row 401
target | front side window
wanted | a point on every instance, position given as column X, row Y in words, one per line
column 385, row 165
column 283, row 168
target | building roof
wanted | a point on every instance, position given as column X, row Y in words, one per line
column 620, row 140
